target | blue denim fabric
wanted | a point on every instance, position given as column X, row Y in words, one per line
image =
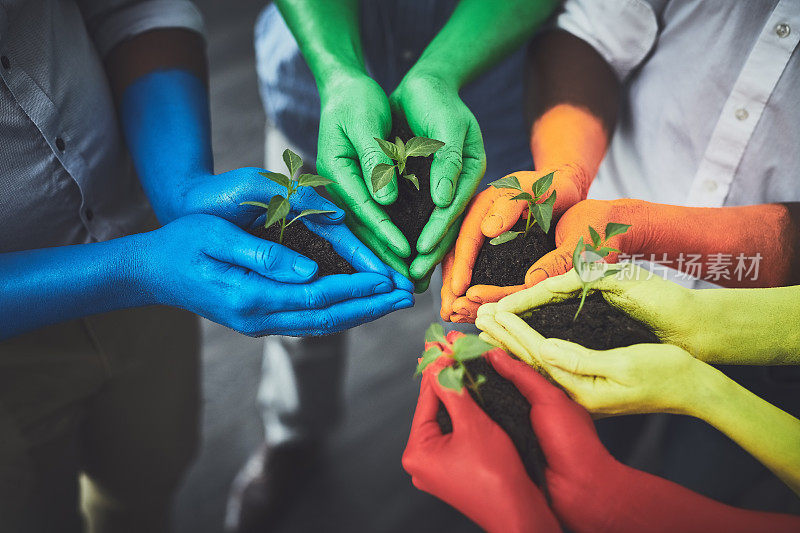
column 394, row 34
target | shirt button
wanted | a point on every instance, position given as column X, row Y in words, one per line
column 742, row 114
column 782, row 30
column 710, row 185
column 89, row 214
column 60, row 144
column 5, row 62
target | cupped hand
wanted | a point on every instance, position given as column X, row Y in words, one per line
column 476, row 468
column 211, row 267
column 491, row 213
column 434, row 109
column 355, row 111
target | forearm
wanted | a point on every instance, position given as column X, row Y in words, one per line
column 328, row 35
column 765, row 431
column 42, row 287
column 163, row 105
column 498, row 28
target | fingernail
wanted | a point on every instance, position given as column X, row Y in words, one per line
column 444, row 190
column 403, row 304
column 382, row 287
column 537, row 276
column 491, row 225
column 304, row 267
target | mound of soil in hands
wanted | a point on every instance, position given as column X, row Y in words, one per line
column 506, row 264
column 511, row 411
column 599, row 326
column 412, row 209
column 302, row 240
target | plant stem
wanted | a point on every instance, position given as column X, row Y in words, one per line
column 584, row 292
column 283, row 227
column 472, row 385
column 528, row 221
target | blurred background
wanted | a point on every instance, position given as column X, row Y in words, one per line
column 361, row 485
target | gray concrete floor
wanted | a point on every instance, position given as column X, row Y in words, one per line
column 361, row 485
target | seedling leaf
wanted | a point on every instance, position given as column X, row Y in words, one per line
column 422, row 146
column 523, row 196
column 281, row 179
column 613, row 228
column 382, row 175
column 430, row 355
column 509, row 182
column 595, row 237
column 543, row 212
column 543, row 184
column 505, row 237
column 293, row 162
column 452, row 378
column 312, row 180
column 480, row 379
column 611, row 272
column 435, row 333
column 277, row 209
column 413, row 179
column 469, row 347
column 577, row 263
column 257, row 204
column 401, row 149
column 388, row 148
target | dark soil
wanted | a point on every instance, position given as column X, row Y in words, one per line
column 302, row 240
column 511, row 411
column 506, row 264
column 412, row 209
column 599, row 325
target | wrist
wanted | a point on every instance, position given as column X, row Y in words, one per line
column 421, row 77
column 336, row 78
column 131, row 269
column 706, row 393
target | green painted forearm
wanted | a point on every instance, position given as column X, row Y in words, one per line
column 479, row 34
column 766, row 432
column 328, row 35
column 747, row 326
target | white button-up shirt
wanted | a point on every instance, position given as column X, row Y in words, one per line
column 711, row 108
column 65, row 173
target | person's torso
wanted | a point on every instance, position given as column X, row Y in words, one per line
column 65, row 174
column 712, row 116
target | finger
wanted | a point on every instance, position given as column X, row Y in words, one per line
column 370, row 155
column 490, row 325
column 494, row 342
column 529, row 382
column 338, row 317
column 463, row 410
column 401, row 282
column 470, row 240
column 325, row 291
column 447, row 160
column 423, row 264
column 446, row 293
column 503, row 214
column 421, row 285
column 349, row 247
column 554, row 263
column 443, row 218
column 308, row 198
column 481, row 294
column 424, row 424
column 266, row 258
column 528, row 338
column 578, row 360
column 466, row 308
column 350, row 192
column 551, row 290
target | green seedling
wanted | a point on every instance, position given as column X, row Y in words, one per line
column 539, row 207
column 586, row 258
column 465, row 348
column 279, row 206
column 399, row 151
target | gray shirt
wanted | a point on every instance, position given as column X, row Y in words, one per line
column 65, row 173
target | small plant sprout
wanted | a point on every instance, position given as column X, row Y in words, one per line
column 465, row 348
column 539, row 207
column 279, row 206
column 399, row 151
column 587, row 257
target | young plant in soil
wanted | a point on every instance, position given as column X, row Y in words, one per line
column 298, row 237
column 279, row 206
column 539, row 207
column 586, row 259
column 465, row 348
column 399, row 151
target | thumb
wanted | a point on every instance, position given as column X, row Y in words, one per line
column 463, row 410
column 503, row 214
column 271, row 260
column 554, row 263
